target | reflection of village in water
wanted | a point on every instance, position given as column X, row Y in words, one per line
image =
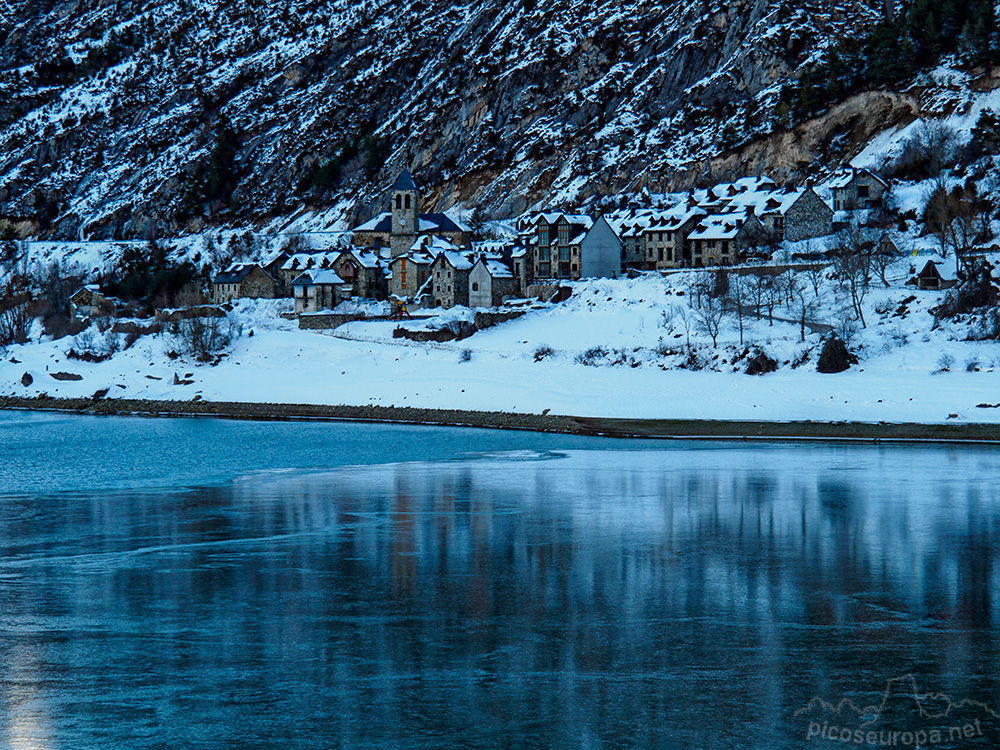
column 690, row 596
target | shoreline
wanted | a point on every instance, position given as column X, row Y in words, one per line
column 656, row 429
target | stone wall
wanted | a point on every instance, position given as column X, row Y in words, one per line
column 326, row 320
column 809, row 217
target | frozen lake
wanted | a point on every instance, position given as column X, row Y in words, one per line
column 219, row 584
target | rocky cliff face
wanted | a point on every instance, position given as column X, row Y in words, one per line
column 128, row 118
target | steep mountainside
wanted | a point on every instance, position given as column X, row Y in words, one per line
column 124, row 118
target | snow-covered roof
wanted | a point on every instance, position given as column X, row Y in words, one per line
column 381, row 223
column 722, row 227
column 845, row 176
column 496, row 268
column 313, row 278
column 433, row 245
column 457, row 260
column 365, row 258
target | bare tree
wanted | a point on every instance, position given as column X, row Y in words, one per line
column 815, row 273
column 805, row 306
column 739, row 298
column 710, row 316
column 968, row 215
column 852, row 262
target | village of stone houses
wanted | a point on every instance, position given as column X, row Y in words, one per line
column 851, row 298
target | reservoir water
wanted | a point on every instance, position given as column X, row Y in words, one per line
column 220, row 584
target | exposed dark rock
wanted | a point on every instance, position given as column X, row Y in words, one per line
column 66, row 376
column 26, row 379
column 835, row 357
column 761, row 364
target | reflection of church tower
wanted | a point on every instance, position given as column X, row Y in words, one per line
column 405, row 214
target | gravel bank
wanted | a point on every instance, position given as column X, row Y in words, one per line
column 622, row 428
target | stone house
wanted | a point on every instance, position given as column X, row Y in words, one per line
column 522, row 261
column 721, row 240
column 319, row 290
column 795, row 215
column 490, row 282
column 88, row 301
column 243, row 280
column 273, row 269
column 856, row 189
column 555, row 239
column 364, row 271
column 409, row 275
column 394, row 232
column 450, row 271
column 666, row 243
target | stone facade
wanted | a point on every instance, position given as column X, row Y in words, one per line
column 556, row 241
column 857, row 189
column 248, row 281
column 409, row 274
column 808, row 217
column 451, row 279
column 319, row 290
column 362, row 270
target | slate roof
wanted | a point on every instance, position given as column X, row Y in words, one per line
column 235, row 273
column 428, row 223
column 404, row 181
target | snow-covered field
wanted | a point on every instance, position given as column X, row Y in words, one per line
column 639, row 365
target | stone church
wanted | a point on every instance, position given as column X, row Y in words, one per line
column 396, row 231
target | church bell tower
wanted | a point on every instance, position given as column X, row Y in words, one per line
column 405, row 205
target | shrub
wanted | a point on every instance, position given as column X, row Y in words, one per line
column 945, row 362
column 203, row 338
column 543, row 352
column 592, row 356
column 465, row 356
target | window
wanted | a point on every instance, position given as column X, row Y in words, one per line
column 543, row 269
column 402, row 277
column 475, row 286
column 399, row 201
column 863, row 191
column 543, row 253
column 407, row 200
column 564, row 253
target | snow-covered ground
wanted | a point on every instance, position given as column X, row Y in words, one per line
column 639, row 363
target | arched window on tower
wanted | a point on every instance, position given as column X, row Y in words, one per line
column 399, row 201
column 407, row 201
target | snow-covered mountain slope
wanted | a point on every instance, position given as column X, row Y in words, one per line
column 120, row 119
